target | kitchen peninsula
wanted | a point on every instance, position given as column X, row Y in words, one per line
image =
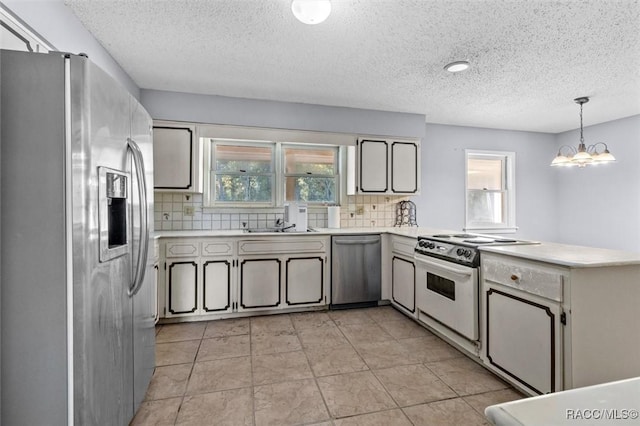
column 566, row 300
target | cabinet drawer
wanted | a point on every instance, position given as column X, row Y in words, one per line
column 182, row 249
column 535, row 279
column 285, row 245
column 403, row 245
column 217, row 248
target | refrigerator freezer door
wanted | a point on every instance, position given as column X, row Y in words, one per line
column 34, row 273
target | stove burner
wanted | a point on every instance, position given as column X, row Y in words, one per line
column 441, row 236
column 464, row 236
column 505, row 240
column 478, row 241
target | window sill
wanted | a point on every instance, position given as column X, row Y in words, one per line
column 497, row 230
column 257, row 209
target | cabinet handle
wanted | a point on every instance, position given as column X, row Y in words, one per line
column 514, row 277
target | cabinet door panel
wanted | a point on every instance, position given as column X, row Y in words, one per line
column 304, row 280
column 522, row 339
column 183, row 287
column 404, row 167
column 156, row 293
column 173, row 158
column 216, row 285
column 374, row 165
column 403, row 283
column 259, row 283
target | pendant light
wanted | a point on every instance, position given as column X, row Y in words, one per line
column 583, row 155
column 311, row 11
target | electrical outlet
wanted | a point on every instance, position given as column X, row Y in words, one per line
column 359, row 210
column 188, row 211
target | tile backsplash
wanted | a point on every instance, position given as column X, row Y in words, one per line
column 177, row 212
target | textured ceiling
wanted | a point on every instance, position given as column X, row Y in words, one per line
column 529, row 59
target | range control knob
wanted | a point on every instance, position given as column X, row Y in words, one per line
column 460, row 252
column 467, row 253
column 431, row 245
column 422, row 243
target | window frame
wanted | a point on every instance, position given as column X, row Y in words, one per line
column 284, row 175
column 209, row 189
column 278, row 195
column 509, row 190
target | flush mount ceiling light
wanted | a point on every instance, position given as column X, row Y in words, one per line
column 311, row 11
column 457, row 66
column 583, row 155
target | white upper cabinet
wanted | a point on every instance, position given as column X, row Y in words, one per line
column 404, row 167
column 388, row 166
column 374, row 166
column 177, row 162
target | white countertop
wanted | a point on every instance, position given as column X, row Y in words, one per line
column 568, row 255
column 605, row 404
column 412, row 232
column 559, row 254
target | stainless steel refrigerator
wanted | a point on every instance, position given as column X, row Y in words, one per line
column 76, row 217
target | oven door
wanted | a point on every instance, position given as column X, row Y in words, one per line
column 448, row 293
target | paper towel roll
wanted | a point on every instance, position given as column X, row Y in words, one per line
column 333, row 219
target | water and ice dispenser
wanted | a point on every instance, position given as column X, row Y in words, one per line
column 113, row 213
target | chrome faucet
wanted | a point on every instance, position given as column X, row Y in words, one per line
column 280, row 225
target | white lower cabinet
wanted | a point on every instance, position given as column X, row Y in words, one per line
column 205, row 277
column 182, row 287
column 549, row 327
column 283, row 281
column 523, row 322
column 156, row 294
column 304, row 280
column 403, row 283
column 524, row 338
column 260, row 283
column 403, row 274
column 217, row 285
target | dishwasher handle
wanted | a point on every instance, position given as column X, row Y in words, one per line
column 359, row 241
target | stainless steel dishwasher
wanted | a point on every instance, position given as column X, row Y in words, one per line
column 355, row 271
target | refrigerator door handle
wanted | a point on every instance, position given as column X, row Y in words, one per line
column 143, row 250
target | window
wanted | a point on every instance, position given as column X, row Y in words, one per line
column 242, row 173
column 490, row 187
column 257, row 173
column 310, row 174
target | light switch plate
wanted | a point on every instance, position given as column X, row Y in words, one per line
column 188, row 210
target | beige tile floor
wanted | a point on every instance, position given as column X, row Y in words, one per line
column 355, row 367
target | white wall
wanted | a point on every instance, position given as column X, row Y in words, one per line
column 442, row 200
column 211, row 109
column 57, row 24
column 600, row 206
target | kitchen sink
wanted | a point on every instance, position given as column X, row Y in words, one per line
column 252, row 230
column 274, row 230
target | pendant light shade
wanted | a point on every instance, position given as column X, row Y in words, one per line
column 311, row 11
column 583, row 155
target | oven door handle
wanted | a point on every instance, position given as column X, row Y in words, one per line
column 459, row 271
